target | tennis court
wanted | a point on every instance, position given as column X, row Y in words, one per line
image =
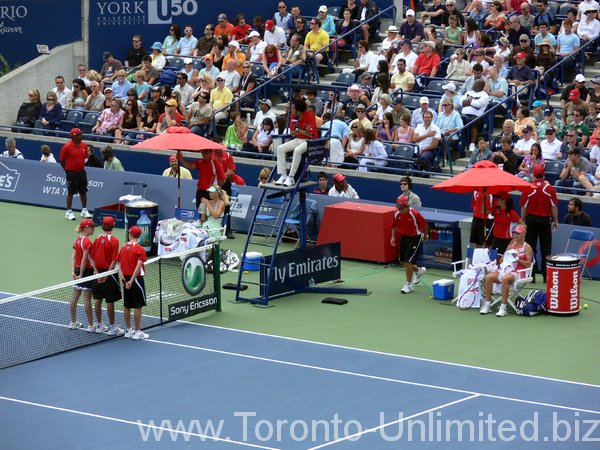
column 261, row 391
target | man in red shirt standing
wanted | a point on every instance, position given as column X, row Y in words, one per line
column 412, row 229
column 105, row 252
column 539, row 211
column 210, row 172
column 428, row 62
column 482, row 219
column 131, row 270
column 304, row 126
column 72, row 158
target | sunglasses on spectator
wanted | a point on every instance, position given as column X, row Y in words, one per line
column 571, row 135
column 353, row 127
column 50, row 99
column 403, row 184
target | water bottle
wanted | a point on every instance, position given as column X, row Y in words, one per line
column 248, row 119
column 311, row 282
column 144, row 224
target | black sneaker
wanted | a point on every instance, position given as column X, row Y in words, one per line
column 229, row 234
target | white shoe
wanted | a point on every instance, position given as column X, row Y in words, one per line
column 417, row 276
column 74, row 325
column 289, row 182
column 85, row 214
column 129, row 333
column 69, row 215
column 101, row 328
column 502, row 311
column 139, row 334
column 407, row 289
column 114, row 330
column 281, row 179
column 90, row 328
column 486, row 308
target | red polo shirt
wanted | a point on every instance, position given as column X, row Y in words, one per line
column 540, row 200
column 502, row 221
column 409, row 224
column 477, row 205
column 425, row 65
column 105, row 250
column 210, row 172
column 81, row 244
column 73, row 156
column 130, row 254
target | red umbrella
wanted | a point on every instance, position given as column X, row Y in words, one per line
column 484, row 176
column 179, row 139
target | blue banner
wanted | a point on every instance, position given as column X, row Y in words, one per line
column 26, row 23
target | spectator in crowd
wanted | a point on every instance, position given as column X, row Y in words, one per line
column 579, row 85
column 458, row 67
column 108, row 98
column 274, row 35
column 366, row 60
column 79, row 95
column 404, row 132
column 551, row 146
column 223, row 26
column 237, row 133
column 122, row 85
column 470, row 80
column 221, row 97
column 374, row 153
column 531, row 160
column 132, row 95
column 133, row 58
column 338, row 137
column 29, row 111
column 406, row 186
column 200, row 114
column 142, row 89
column 304, row 128
column 264, row 110
column 576, row 166
column 506, row 157
column 496, row 18
column 187, row 44
column 234, row 53
column 11, row 149
column 427, row 136
column 449, row 122
column 155, row 63
column 47, row 155
column 543, row 16
column 481, row 153
column 478, row 13
column 508, row 130
column 109, row 119
column 170, row 118
column 322, row 184
column 241, row 30
column 95, row 101
column 453, row 33
column 516, row 31
column 256, row 47
column 368, row 10
column 354, row 9
column 523, row 145
column 417, row 115
column 570, row 142
column 576, row 215
column 151, row 73
column 428, row 62
column 170, row 43
column 406, row 53
column 111, row 162
column 190, row 71
column 521, row 75
column 51, row 113
column 262, row 138
column 589, row 26
column 526, row 18
column 591, row 182
column 150, row 119
column 545, row 36
column 110, row 68
column 354, row 145
column 184, row 89
column 62, row 92
column 315, row 40
column 271, row 61
column 593, row 95
column 523, row 47
column 452, row 10
column 341, row 188
column 403, row 79
column 174, row 170
column 299, row 29
column 282, row 17
column 354, row 93
column 209, row 68
column 130, row 123
column 523, row 120
column 434, row 12
column 411, row 29
column 258, row 24
column 583, row 131
column 205, row 43
column 549, row 120
column 575, row 104
column 474, row 103
column 296, row 55
column 568, row 42
column 498, row 87
column 155, row 97
column 72, row 159
column 91, row 159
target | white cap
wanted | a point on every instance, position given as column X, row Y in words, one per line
column 450, row 86
column 235, row 44
column 410, row 12
column 323, row 8
column 424, row 100
column 580, row 78
column 430, row 43
column 392, row 29
column 254, row 33
column 188, row 61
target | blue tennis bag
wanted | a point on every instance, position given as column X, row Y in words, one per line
column 168, row 76
column 534, row 303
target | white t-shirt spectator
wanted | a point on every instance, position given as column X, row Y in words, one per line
column 479, row 103
column 257, row 51
column 421, row 130
column 595, row 154
column 523, row 147
column 275, row 37
column 550, row 150
column 348, row 193
column 410, row 61
column 17, row 154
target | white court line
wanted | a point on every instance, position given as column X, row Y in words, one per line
column 131, row 422
column 372, row 377
column 34, row 320
column 371, row 430
column 395, row 355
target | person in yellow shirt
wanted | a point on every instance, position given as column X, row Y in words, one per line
column 174, row 169
column 315, row 40
column 233, row 52
column 220, row 97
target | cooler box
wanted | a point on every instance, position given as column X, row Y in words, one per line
column 252, row 260
column 443, row 289
column 116, row 211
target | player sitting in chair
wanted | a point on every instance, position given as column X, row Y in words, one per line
column 518, row 256
column 304, row 126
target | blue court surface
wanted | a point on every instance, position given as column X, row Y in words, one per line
column 200, row 386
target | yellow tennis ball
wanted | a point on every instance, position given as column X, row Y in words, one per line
column 585, row 306
column 245, row 271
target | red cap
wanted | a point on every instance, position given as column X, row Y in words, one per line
column 574, row 94
column 86, row 223
column 521, row 55
column 503, row 195
column 269, row 25
column 135, row 231
column 402, row 202
column 173, row 158
column 339, row 177
column 75, row 132
column 538, row 171
column 108, row 221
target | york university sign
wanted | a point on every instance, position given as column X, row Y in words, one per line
column 137, row 12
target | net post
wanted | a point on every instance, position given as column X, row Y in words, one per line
column 160, row 290
column 217, row 272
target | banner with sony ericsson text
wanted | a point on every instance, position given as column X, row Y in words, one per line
column 112, row 23
column 26, row 23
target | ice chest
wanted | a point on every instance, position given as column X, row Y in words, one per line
column 443, row 289
column 116, row 211
column 251, row 263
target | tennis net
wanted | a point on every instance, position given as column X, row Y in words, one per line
column 36, row 324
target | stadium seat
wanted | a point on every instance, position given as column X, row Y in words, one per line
column 259, row 72
column 334, row 11
column 72, row 120
column 175, row 63
column 344, row 79
column 564, row 8
column 198, row 64
column 411, row 102
column 88, row 121
column 553, row 170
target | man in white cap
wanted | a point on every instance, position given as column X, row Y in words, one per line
column 579, row 84
column 417, row 115
column 392, row 37
column 264, row 110
column 234, row 53
column 434, row 12
column 256, row 47
column 411, row 28
column 428, row 62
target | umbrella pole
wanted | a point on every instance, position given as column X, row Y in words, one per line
column 178, row 181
